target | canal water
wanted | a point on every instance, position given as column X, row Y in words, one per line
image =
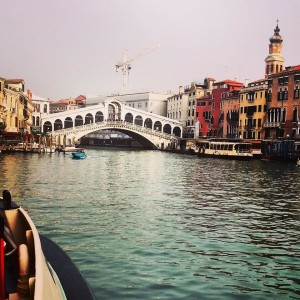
column 156, row 225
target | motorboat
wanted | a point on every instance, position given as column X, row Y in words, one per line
column 78, row 155
column 27, row 260
column 227, row 149
column 70, row 149
column 27, row 147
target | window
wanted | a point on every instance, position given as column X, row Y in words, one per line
column 259, row 108
column 296, row 92
column 259, row 123
column 280, row 95
column 285, row 95
column 295, row 114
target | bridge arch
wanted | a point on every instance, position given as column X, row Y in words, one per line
column 89, row 119
column 58, row 124
column 113, row 114
column 47, row 127
column 157, row 126
column 68, row 122
column 148, row 123
column 138, row 120
column 177, row 131
column 99, row 117
column 78, row 120
column 129, row 118
column 167, row 128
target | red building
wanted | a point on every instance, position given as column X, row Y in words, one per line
column 283, row 104
column 209, row 108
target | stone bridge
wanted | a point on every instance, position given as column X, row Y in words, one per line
column 152, row 131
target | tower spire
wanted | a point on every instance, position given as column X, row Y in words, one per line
column 275, row 60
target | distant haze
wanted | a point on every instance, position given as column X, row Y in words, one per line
column 64, row 48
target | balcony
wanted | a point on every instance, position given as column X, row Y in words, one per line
column 272, row 124
column 255, row 88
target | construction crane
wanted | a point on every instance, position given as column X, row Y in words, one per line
column 124, row 66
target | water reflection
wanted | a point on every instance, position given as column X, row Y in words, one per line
column 147, row 224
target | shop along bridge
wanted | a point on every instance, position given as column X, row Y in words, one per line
column 150, row 130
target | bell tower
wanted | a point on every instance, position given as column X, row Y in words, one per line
column 275, row 60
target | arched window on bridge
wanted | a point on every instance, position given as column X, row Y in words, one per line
column 167, row 128
column 58, row 124
column 138, row 120
column 157, row 126
column 148, row 123
column 99, row 117
column 177, row 131
column 47, row 127
column 78, row 121
column 89, row 119
column 129, row 118
column 68, row 122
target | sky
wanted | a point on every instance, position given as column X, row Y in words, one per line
column 67, row 48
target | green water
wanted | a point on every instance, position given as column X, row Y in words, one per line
column 155, row 225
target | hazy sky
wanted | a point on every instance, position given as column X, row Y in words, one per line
column 64, row 48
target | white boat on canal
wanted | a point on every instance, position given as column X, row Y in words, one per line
column 226, row 149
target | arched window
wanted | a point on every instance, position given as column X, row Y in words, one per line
column 296, row 92
column 285, row 95
column 280, row 94
column 295, row 114
column 45, row 108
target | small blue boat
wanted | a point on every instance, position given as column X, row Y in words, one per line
column 78, row 155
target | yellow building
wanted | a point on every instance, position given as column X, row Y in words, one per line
column 3, row 110
column 253, row 99
column 18, row 107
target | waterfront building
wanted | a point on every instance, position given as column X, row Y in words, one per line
column 282, row 114
column 195, row 91
column 41, row 107
column 183, row 106
column 253, row 109
column 63, row 105
column 210, row 111
column 283, row 104
column 230, row 114
column 177, row 106
column 3, row 109
column 18, row 107
column 204, row 114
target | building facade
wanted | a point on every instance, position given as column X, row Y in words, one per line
column 210, row 110
column 18, row 107
column 230, row 114
column 177, row 106
column 283, row 104
column 253, row 99
column 41, row 107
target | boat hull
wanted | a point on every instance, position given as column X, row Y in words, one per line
column 78, row 155
column 225, row 156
